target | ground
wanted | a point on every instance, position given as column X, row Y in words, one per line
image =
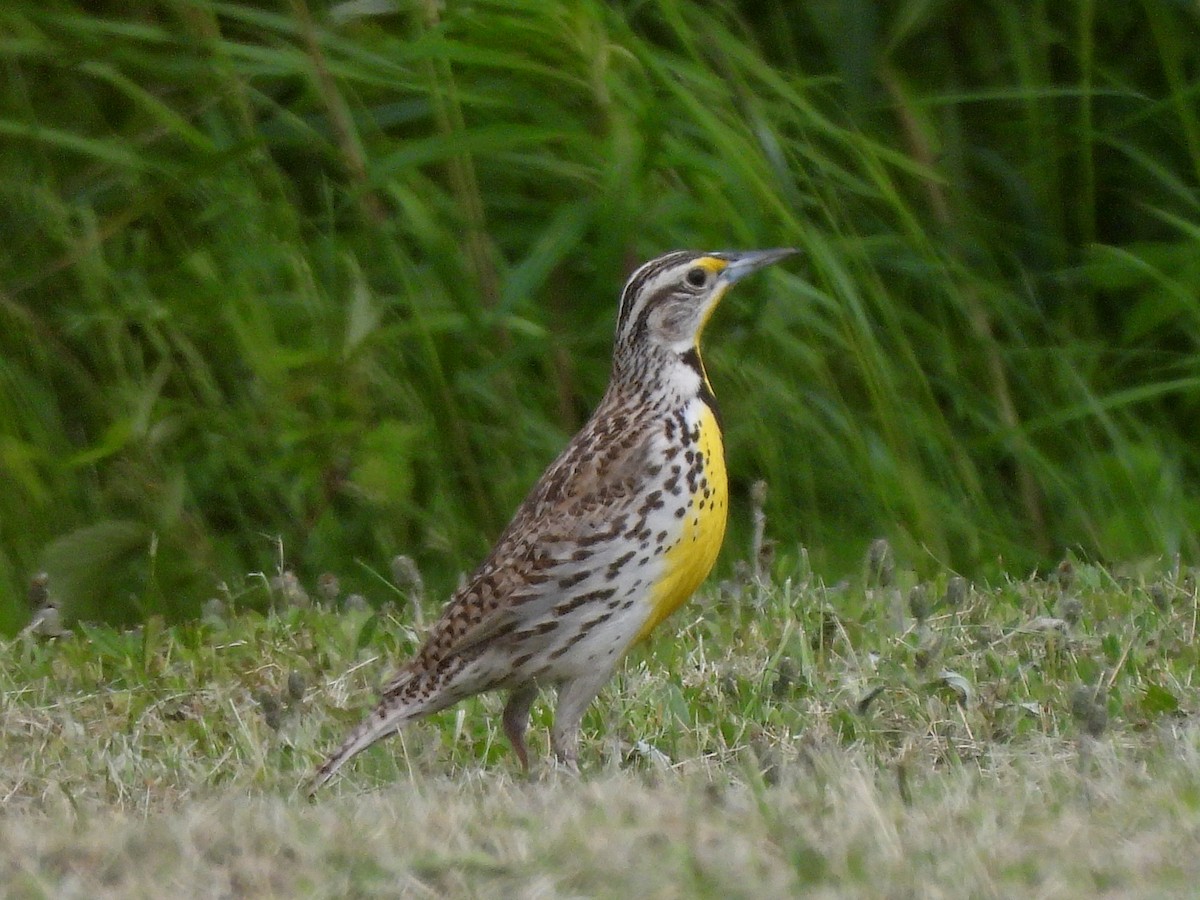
column 886, row 736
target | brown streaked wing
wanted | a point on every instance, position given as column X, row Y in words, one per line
column 575, row 503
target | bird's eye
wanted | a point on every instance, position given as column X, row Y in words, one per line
column 696, row 277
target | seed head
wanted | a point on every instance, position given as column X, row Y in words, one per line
column 295, row 685
column 1089, row 710
column 328, row 587
column 918, row 602
column 956, row 592
column 881, row 564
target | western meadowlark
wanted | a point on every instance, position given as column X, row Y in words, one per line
column 615, row 535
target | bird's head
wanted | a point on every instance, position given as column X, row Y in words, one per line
column 668, row 301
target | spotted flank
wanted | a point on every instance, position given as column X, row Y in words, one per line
column 618, row 532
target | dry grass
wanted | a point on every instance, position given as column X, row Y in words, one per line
column 833, row 824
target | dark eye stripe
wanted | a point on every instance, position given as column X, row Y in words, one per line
column 643, row 319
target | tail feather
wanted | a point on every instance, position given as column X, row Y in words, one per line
column 385, row 719
column 407, row 697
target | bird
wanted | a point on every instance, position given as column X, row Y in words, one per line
column 615, row 535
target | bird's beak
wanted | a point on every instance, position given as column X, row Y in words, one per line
column 743, row 264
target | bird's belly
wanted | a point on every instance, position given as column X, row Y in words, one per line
column 697, row 534
column 601, row 603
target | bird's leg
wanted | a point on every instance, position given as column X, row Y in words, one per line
column 516, row 720
column 574, row 697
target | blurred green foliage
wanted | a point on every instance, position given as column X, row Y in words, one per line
column 308, row 285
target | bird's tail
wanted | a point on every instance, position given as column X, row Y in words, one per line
column 359, row 739
column 397, row 708
column 409, row 696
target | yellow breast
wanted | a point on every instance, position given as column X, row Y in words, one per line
column 690, row 559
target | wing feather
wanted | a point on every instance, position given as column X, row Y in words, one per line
column 558, row 535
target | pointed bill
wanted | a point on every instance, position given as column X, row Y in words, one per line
column 743, row 264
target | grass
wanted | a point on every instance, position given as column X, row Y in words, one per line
column 833, row 828
column 883, row 736
column 344, row 277
column 289, row 289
